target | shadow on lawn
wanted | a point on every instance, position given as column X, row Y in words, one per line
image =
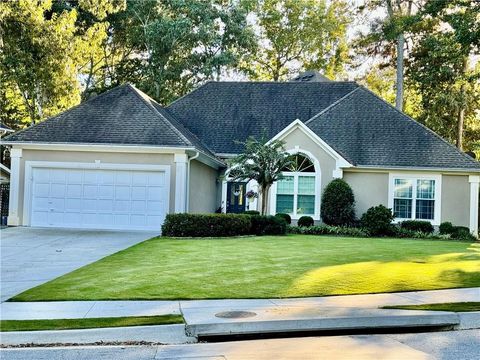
column 453, row 270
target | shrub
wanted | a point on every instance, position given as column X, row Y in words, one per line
column 268, row 225
column 305, row 221
column 338, row 204
column 285, row 217
column 418, row 225
column 446, row 228
column 251, row 212
column 328, row 230
column 378, row 220
column 202, row 225
column 462, row 233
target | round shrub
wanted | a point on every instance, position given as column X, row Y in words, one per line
column 462, row 233
column 251, row 212
column 305, row 221
column 446, row 228
column 338, row 204
column 378, row 220
column 285, row 217
column 418, row 225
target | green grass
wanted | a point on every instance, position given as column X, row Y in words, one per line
column 455, row 307
column 67, row 324
column 265, row 267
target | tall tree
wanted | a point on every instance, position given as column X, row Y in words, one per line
column 387, row 37
column 166, row 47
column 44, row 45
column 299, row 34
column 439, row 68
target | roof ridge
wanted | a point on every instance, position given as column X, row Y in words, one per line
column 335, row 103
column 189, row 93
column 421, row 125
column 65, row 111
column 140, row 95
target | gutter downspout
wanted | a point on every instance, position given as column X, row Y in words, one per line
column 187, row 198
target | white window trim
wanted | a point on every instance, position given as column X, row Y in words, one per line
column 29, row 165
column 318, row 186
column 414, row 177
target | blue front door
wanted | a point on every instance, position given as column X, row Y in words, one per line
column 236, row 197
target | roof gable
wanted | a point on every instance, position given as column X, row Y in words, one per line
column 370, row 132
column 223, row 113
column 123, row 115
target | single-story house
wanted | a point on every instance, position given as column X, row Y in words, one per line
column 122, row 161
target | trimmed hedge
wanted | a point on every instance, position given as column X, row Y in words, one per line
column 417, row 225
column 203, row 225
column 338, row 204
column 329, row 230
column 286, row 217
column 378, row 220
column 305, row 221
column 268, row 225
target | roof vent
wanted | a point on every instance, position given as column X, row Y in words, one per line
column 310, row 76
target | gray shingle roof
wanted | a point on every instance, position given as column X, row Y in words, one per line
column 367, row 131
column 123, row 115
column 221, row 113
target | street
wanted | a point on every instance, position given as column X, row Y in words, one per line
column 451, row 345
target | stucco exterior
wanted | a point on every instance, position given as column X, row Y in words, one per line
column 369, row 188
column 202, row 188
column 91, row 157
column 455, row 199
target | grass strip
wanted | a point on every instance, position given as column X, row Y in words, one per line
column 454, row 307
column 89, row 323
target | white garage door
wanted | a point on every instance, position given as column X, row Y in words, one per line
column 99, row 199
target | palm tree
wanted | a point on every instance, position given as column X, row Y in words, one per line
column 261, row 161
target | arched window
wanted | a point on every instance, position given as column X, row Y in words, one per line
column 296, row 191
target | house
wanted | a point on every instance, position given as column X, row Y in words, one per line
column 122, row 161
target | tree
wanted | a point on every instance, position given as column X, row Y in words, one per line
column 439, row 68
column 296, row 35
column 167, row 47
column 338, row 204
column 387, row 37
column 261, row 161
column 44, row 46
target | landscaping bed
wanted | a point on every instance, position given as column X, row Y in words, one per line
column 267, row 267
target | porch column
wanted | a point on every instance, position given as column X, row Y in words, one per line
column 474, row 181
column 13, row 215
column 180, row 182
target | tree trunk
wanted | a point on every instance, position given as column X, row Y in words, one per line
column 400, row 50
column 265, row 191
column 461, row 112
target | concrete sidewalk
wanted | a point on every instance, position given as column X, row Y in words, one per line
column 92, row 309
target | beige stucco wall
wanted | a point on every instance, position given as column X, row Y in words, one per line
column 370, row 189
column 203, row 188
column 327, row 163
column 456, row 199
column 90, row 157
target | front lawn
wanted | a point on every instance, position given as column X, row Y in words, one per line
column 88, row 323
column 267, row 267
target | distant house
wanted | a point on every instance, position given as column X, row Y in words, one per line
column 122, row 161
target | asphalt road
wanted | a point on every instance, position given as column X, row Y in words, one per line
column 452, row 345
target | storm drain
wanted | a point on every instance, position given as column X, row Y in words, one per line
column 235, row 314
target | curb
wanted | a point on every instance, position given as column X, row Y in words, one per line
column 164, row 334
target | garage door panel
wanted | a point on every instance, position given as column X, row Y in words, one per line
column 99, row 198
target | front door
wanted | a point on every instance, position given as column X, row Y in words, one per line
column 236, row 197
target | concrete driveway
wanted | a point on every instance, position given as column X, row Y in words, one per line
column 32, row 256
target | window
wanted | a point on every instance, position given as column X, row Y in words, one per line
column 414, row 198
column 296, row 191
